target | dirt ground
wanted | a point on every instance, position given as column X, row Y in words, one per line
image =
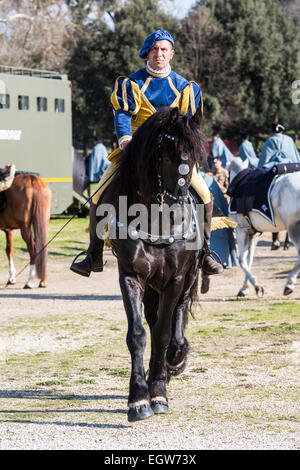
column 65, row 366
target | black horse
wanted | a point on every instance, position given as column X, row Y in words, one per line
column 158, row 272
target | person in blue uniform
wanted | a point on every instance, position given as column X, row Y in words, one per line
column 134, row 99
column 279, row 148
column 222, row 241
column 98, row 161
column 219, row 149
column 247, row 153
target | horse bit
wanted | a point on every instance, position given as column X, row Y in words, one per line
column 183, row 170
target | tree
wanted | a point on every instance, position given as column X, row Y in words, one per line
column 264, row 43
column 102, row 54
column 204, row 56
column 35, row 34
column 42, row 33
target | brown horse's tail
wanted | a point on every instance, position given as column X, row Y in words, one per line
column 40, row 218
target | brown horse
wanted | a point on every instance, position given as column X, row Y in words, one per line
column 28, row 202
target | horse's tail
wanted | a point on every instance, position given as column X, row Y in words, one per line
column 40, row 218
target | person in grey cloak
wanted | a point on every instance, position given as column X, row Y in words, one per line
column 98, row 161
column 219, row 149
column 222, row 241
column 246, row 152
column 279, row 148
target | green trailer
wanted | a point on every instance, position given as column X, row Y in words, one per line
column 36, row 128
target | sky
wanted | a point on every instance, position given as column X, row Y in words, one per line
column 177, row 8
column 180, row 8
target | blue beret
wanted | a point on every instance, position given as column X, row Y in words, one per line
column 159, row 35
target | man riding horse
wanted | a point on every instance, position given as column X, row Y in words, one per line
column 279, row 148
column 134, row 100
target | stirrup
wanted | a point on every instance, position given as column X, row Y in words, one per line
column 210, row 253
column 89, row 259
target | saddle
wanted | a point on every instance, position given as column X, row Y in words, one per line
column 251, row 188
column 6, row 177
column 6, row 180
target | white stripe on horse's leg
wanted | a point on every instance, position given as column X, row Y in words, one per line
column 32, row 275
column 243, row 240
column 12, row 272
column 253, row 242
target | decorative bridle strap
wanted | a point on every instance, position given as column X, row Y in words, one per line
column 164, row 192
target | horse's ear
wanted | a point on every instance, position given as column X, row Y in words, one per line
column 173, row 116
column 197, row 118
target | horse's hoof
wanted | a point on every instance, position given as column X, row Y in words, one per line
column 288, row 290
column 139, row 412
column 241, row 293
column 178, row 369
column 10, row 283
column 159, row 406
column 260, row 291
column 286, row 247
column 275, row 246
column 43, row 284
column 28, row 286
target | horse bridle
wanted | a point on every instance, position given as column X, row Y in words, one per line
column 182, row 183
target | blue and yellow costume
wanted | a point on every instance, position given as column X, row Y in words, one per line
column 136, row 98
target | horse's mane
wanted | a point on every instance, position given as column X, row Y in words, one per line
column 137, row 174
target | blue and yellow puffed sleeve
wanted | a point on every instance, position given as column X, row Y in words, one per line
column 126, row 102
column 191, row 99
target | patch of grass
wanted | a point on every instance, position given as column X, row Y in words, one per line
column 68, row 243
column 86, row 381
column 119, row 372
column 296, row 419
column 203, row 354
column 202, row 370
column 48, row 383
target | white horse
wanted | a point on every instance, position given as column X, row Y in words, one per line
column 285, row 200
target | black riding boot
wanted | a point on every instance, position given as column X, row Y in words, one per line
column 94, row 255
column 208, row 264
